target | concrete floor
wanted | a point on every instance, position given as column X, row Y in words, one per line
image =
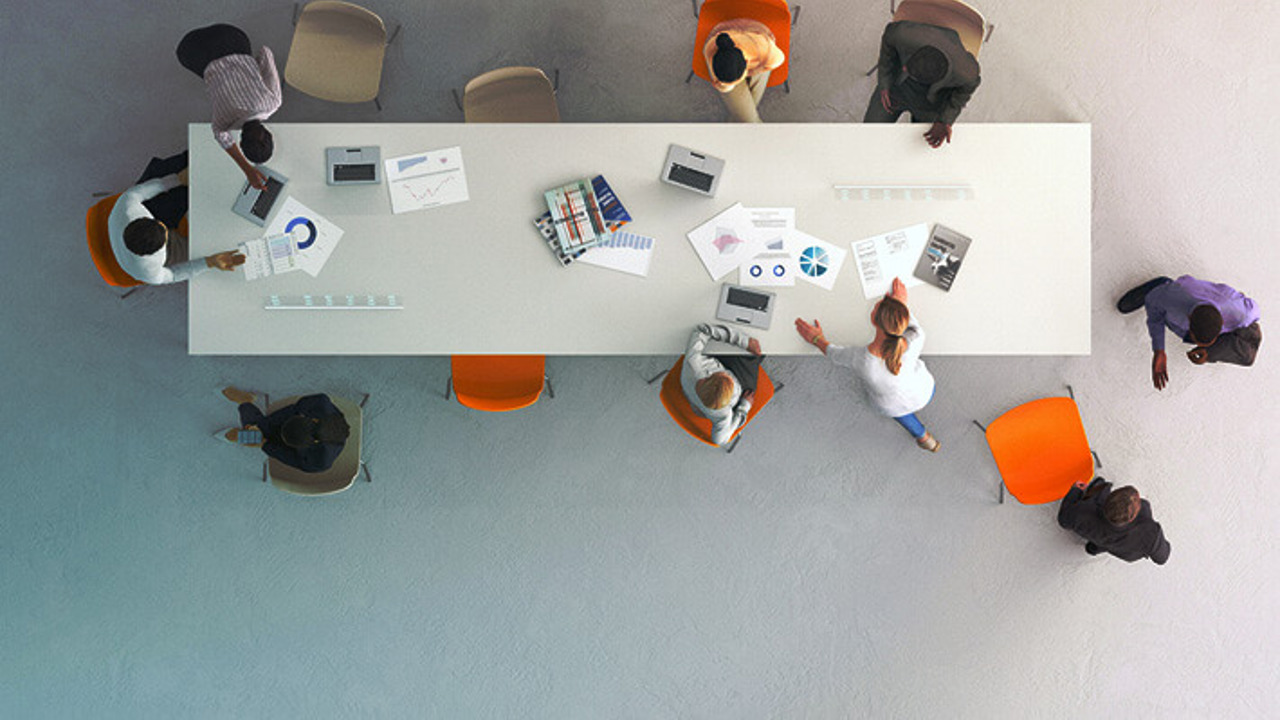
column 582, row 559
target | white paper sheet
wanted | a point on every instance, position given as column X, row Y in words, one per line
column 314, row 237
column 427, row 179
column 818, row 261
column 724, row 241
column 771, row 226
column 894, row 254
column 623, row 251
column 769, row 270
column 270, row 255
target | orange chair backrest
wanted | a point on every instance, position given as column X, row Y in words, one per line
column 104, row 258
column 773, row 13
column 677, row 405
column 1041, row 449
column 497, row 383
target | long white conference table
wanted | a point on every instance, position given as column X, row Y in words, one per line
column 476, row 278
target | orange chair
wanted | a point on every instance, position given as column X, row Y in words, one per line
column 677, row 405
column 497, row 383
column 1040, row 449
column 100, row 246
column 773, row 13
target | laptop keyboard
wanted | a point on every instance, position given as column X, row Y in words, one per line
column 689, row 176
column 351, row 173
column 266, row 198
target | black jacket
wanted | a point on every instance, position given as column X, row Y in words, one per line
column 950, row 94
column 314, row 458
column 1139, row 539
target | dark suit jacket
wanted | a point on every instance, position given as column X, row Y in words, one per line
column 1139, row 539
column 900, row 41
column 314, row 458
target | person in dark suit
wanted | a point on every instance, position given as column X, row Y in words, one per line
column 1118, row 522
column 308, row 435
column 923, row 70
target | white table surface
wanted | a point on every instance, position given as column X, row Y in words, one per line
column 477, row 278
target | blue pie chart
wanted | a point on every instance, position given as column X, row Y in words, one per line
column 814, row 261
column 311, row 231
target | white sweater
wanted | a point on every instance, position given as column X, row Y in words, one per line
column 698, row 366
column 893, row 395
column 149, row 269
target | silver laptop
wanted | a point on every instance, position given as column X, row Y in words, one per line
column 353, row 166
column 748, row 306
column 692, row 170
column 257, row 205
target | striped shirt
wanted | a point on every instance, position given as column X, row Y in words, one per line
column 242, row 88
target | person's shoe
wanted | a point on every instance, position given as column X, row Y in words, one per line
column 228, row 435
column 238, row 396
column 1137, row 297
column 928, row 442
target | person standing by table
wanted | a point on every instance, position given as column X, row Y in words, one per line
column 1220, row 321
column 923, row 70
column 740, row 54
column 1117, row 522
column 720, row 388
column 894, row 377
column 244, row 90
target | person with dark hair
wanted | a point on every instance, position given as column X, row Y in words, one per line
column 740, row 55
column 1118, row 522
column 1220, row 321
column 926, row 71
column 147, row 249
column 893, row 375
column 308, row 435
column 244, row 90
column 720, row 388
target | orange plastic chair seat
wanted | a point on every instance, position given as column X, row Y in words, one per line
column 1041, row 449
column 498, row 383
column 773, row 13
column 104, row 258
column 677, row 405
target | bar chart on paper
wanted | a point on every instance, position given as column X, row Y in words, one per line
column 425, row 180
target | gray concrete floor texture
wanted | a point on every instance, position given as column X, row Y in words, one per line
column 583, row 558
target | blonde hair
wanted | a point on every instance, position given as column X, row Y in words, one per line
column 892, row 318
column 715, row 391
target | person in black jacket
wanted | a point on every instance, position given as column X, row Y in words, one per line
column 308, row 435
column 1115, row 521
column 926, row 71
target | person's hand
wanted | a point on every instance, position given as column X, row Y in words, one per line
column 885, row 102
column 937, row 134
column 256, row 177
column 184, row 176
column 748, row 396
column 898, row 291
column 810, row 333
column 1198, row 355
column 1159, row 370
column 753, row 346
column 228, row 260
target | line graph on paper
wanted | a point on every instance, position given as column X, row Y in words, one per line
column 426, row 180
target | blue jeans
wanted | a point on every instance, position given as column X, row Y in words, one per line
column 912, row 423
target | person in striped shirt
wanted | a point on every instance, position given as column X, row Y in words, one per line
column 244, row 90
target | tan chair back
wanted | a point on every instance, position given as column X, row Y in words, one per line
column 337, row 52
column 510, row 95
column 954, row 14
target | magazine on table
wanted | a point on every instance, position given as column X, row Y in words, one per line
column 942, row 257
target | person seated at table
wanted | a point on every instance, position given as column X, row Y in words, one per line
column 147, row 249
column 1118, row 522
column 244, row 90
column 1220, row 321
column 720, row 388
column 740, row 55
column 893, row 375
column 923, row 70
column 308, row 435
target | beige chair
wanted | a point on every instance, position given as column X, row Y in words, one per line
column 345, row 468
column 510, row 94
column 968, row 23
column 337, row 52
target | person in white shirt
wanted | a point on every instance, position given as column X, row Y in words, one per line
column 244, row 90
column 714, row 391
column 893, row 375
column 146, row 248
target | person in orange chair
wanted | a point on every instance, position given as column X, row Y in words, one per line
column 720, row 388
column 740, row 55
column 147, row 249
column 308, row 435
column 244, row 90
column 1114, row 521
column 893, row 375
column 926, row 71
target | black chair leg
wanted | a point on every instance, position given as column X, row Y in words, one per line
column 550, row 390
column 448, row 388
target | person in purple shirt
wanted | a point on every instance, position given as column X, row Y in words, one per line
column 1221, row 322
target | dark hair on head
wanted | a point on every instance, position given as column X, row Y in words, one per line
column 892, row 317
column 298, row 431
column 928, row 65
column 333, row 429
column 728, row 64
column 1206, row 323
column 1122, row 506
column 256, row 142
column 145, row 236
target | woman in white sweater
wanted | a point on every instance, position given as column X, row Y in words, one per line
column 893, row 375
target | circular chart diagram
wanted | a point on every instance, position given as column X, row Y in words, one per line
column 814, row 261
column 311, row 231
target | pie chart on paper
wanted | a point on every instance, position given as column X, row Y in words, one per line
column 814, row 261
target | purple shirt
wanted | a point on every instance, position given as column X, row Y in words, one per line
column 1170, row 306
